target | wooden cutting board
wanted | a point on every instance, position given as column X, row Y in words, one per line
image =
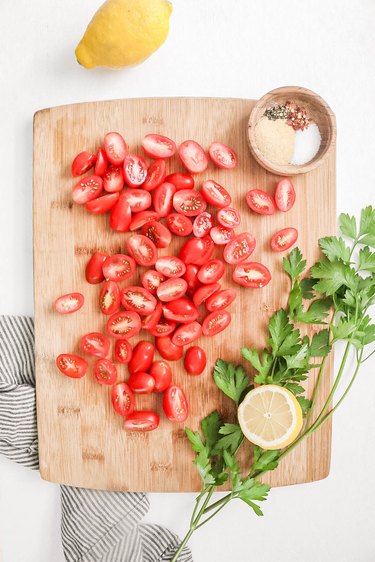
column 81, row 439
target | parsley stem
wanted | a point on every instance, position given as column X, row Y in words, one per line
column 218, row 503
column 368, row 356
column 223, row 503
column 197, row 502
column 316, row 391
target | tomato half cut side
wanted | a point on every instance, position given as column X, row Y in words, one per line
column 87, row 189
column 181, row 310
column 142, row 249
column 175, row 404
column 164, row 327
column 193, row 157
column 155, row 175
column 115, row 148
column 151, row 280
column 170, row 266
column 187, row 333
column 67, row 304
column 197, row 250
column 109, row 297
column 82, row 163
column 135, row 170
column 240, row 248
column 221, row 235
column 158, row 233
column 228, row 217
column 253, row 275
column 179, row 224
column 211, row 271
column 158, row 146
column 96, row 344
column 123, row 351
column 105, row 372
column 163, row 199
column 204, row 292
column 189, row 202
column 94, row 268
column 162, row 374
column 101, row 163
column 191, row 278
column 172, row 289
column 138, row 199
column 202, row 224
column 143, row 356
column 141, row 383
column 195, row 360
column 181, row 181
column 216, row 322
column 122, row 399
column 222, row 155
column 284, row 239
column 216, row 194
column 152, row 319
column 142, row 420
column 118, row 267
column 102, row 204
column 260, row 202
column 167, row 349
column 221, row 299
column 138, row 299
column 124, row 324
column 71, row 365
column 142, row 218
column 285, row 195
column 120, row 219
column 113, row 179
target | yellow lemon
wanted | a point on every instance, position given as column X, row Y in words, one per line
column 270, row 416
column 124, row 33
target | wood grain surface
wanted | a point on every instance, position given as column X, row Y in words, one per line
column 81, row 439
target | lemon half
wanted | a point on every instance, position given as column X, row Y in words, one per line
column 270, row 416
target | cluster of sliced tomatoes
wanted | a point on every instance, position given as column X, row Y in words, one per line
column 178, row 298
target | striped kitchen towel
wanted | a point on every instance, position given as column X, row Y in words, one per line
column 95, row 525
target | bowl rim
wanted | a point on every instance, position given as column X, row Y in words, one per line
column 291, row 169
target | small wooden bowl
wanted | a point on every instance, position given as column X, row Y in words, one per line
column 317, row 109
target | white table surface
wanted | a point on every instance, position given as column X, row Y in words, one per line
column 216, row 48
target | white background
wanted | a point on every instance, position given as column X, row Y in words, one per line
column 240, row 48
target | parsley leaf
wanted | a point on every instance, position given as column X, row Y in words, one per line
column 367, row 227
column 304, row 403
column 307, row 287
column 316, row 313
column 195, row 440
column 265, row 460
column 234, row 470
column 261, row 364
column 231, row 440
column 294, row 265
column 344, row 328
column 332, row 275
column 204, row 467
column 348, row 225
column 210, row 429
column 231, row 379
column 284, row 338
column 367, row 260
column 320, row 345
column 253, row 490
column 335, row 248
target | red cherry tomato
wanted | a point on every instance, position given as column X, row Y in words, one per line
column 195, row 360
column 102, row 204
column 101, row 164
column 260, row 202
column 151, row 280
column 95, row 344
column 167, row 349
column 215, row 194
column 216, row 322
column 240, row 248
column 204, row 292
column 170, row 266
column 163, row 199
column 141, row 420
column 142, row 249
column 143, row 356
column 118, row 267
column 202, row 224
column 228, row 217
column 181, row 310
column 253, row 275
column 181, row 181
column 155, row 175
column 187, row 333
column 193, row 157
column 120, row 219
column 141, row 383
column 221, row 235
column 175, row 404
column 138, row 299
column 157, row 146
column 115, row 147
column 122, row 399
column 135, row 170
column 158, row 233
column 285, row 195
column 197, row 250
column 113, row 179
column 284, row 239
column 82, row 163
column 138, row 199
column 189, row 202
column 124, row 324
column 179, row 224
column 109, row 297
column 69, row 303
column 123, row 351
column 94, row 268
column 171, row 289
column 221, row 299
column 152, row 319
column 191, row 277
column 162, row 374
column 164, row 327
column 142, row 218
column 105, row 372
column 222, row 155
column 211, row 271
column 72, row 365
column 87, row 189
